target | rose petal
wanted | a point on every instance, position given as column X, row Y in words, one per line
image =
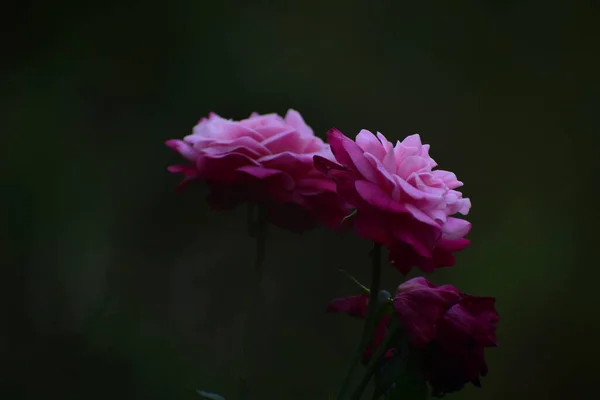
column 420, row 305
column 355, row 306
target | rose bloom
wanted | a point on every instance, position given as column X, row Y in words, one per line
column 401, row 201
column 447, row 329
column 264, row 159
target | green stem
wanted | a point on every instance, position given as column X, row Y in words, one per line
column 262, row 223
column 370, row 322
column 375, row 362
column 258, row 229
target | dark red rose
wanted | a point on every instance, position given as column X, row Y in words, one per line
column 451, row 329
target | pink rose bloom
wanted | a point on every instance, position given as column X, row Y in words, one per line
column 265, row 159
column 401, row 201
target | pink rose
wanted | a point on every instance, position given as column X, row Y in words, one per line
column 401, row 202
column 264, row 159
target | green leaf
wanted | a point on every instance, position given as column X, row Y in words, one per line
column 362, row 287
column 400, row 377
column 347, row 217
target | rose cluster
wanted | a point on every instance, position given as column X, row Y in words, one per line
column 391, row 194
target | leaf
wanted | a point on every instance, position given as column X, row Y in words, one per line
column 400, row 377
column 362, row 287
column 209, row 396
column 390, row 372
column 347, row 217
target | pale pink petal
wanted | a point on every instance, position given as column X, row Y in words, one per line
column 448, row 178
column 370, row 144
column 183, row 148
column 295, row 120
column 244, row 146
column 455, row 228
column 283, row 141
column 420, row 215
column 412, row 141
column 389, row 160
column 383, row 177
column 410, row 165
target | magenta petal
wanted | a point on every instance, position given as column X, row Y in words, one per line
column 384, row 178
column 378, row 338
column 419, row 305
column 294, row 164
column 372, row 227
column 452, row 245
column 278, row 185
column 363, row 166
column 186, row 170
column 259, row 172
column 324, row 165
column 414, row 240
column 376, row 197
column 473, row 318
column 315, row 185
column 355, row 306
column 338, row 141
column 189, row 172
column 224, row 167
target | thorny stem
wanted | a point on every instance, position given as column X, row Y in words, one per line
column 370, row 320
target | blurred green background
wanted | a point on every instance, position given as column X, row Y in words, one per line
column 116, row 286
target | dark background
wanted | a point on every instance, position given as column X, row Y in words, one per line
column 115, row 286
